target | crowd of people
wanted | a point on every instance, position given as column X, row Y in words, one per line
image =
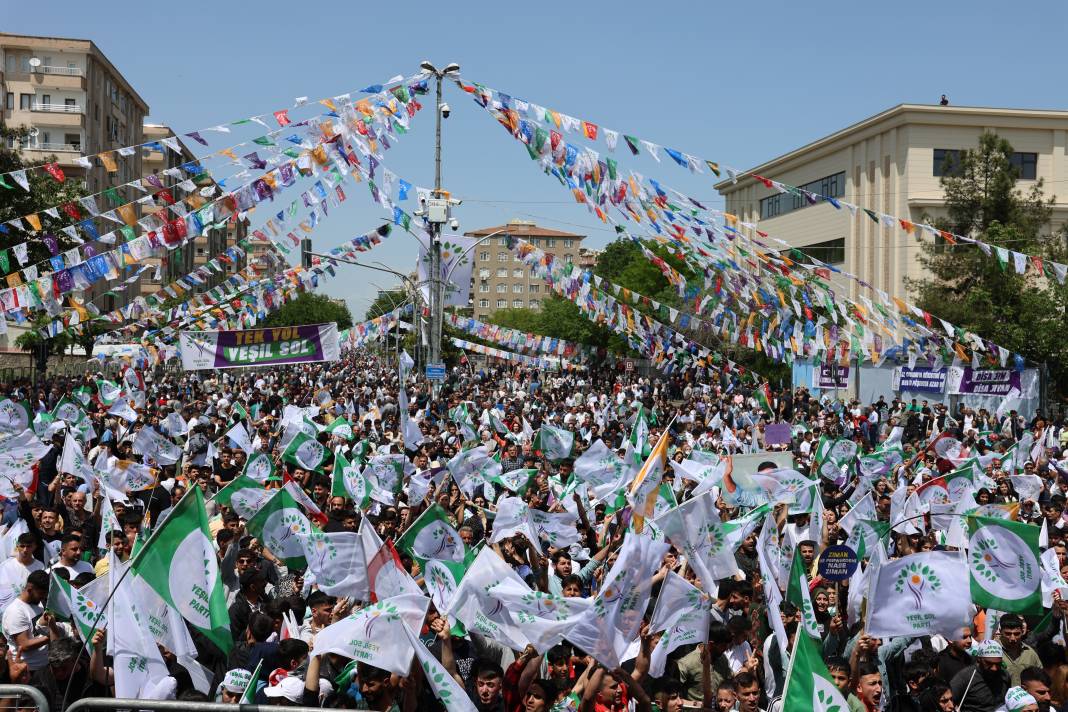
column 67, row 530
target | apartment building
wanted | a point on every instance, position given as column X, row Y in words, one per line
column 500, row 280
column 75, row 103
column 891, row 163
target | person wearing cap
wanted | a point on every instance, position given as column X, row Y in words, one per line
column 1018, row 699
column 981, row 687
column 234, row 685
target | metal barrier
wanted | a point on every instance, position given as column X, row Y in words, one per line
column 107, row 703
column 35, row 695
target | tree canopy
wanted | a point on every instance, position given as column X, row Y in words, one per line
column 982, row 293
column 309, row 308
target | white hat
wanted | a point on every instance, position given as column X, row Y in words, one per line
column 1017, row 698
column 236, row 680
column 291, row 688
column 989, row 649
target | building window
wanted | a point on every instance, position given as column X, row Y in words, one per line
column 1026, row 165
column 946, row 162
column 517, row 288
column 9, row 102
column 483, row 257
column 831, row 252
column 502, row 303
column 502, row 256
column 483, row 304
column 25, row 101
column 518, row 273
column 568, row 242
column 502, row 272
column 533, row 271
column 502, row 288
column 534, row 288
column 517, row 303
column 832, row 186
column 550, row 242
column 503, row 241
column 535, row 303
column 483, row 288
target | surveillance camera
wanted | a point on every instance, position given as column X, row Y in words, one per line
column 445, row 110
column 454, row 224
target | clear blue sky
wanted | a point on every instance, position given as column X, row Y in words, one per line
column 734, row 82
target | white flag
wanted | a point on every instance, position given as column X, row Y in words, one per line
column 682, row 612
column 920, row 594
column 375, row 634
column 337, row 561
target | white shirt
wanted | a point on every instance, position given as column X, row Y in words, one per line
column 19, row 617
column 13, row 575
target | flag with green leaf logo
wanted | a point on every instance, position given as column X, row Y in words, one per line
column 797, row 594
column 554, row 443
column 432, row 536
column 340, row 428
column 71, row 604
column 260, row 467
column 305, row 452
column 178, row 562
column 277, row 525
column 1003, row 558
column 108, row 391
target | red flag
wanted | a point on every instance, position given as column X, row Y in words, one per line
column 55, row 171
column 590, row 130
column 282, row 117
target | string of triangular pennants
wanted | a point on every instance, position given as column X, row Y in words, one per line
column 359, row 334
column 521, row 340
column 536, row 362
column 239, row 201
column 590, row 131
column 281, row 116
column 583, row 172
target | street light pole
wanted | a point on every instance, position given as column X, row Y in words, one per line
column 437, row 213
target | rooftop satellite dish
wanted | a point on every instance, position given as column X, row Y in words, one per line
column 35, row 62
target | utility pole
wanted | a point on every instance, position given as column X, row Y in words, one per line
column 438, row 212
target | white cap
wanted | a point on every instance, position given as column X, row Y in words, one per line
column 291, row 688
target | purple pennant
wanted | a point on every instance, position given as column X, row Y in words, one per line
column 195, row 135
column 51, row 244
column 64, row 281
column 154, row 180
column 255, row 161
column 373, row 163
column 88, row 251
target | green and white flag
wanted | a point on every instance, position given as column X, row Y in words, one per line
column 107, row 391
column 554, row 443
column 179, row 563
column 278, row 525
column 305, row 452
column 248, row 697
column 259, row 467
column 341, row 428
column 245, row 495
column 497, row 423
column 442, row 683
column 238, row 412
column 881, row 462
column 15, row 416
column 84, row 395
column 515, row 481
column 69, row 411
column 919, row 594
column 867, row 537
column 797, row 594
column 809, row 685
column 71, row 604
column 1003, row 558
column 431, row 536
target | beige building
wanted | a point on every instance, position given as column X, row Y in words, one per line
column 75, row 103
column 891, row 163
column 500, row 280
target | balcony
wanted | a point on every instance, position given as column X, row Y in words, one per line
column 68, row 71
column 69, row 78
column 56, row 108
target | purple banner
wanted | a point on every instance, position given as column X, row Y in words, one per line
column 259, row 347
column 830, row 376
column 777, row 434
column 919, row 380
column 982, row 382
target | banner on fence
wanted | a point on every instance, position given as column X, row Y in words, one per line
column 259, row 347
column 919, row 380
column 997, row 382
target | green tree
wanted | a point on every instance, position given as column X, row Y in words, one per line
column 385, row 302
column 982, row 293
column 309, row 308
